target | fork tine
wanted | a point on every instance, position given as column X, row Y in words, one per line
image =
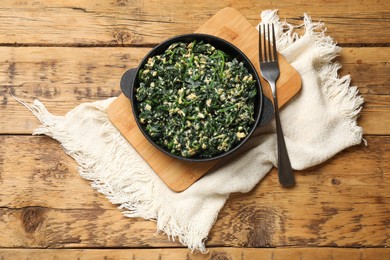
column 269, row 44
column 264, row 50
column 260, row 45
column 264, row 44
column 274, row 43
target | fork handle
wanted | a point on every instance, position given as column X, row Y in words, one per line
column 285, row 171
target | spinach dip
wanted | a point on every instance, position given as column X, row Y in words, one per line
column 194, row 100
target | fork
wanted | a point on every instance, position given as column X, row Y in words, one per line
column 269, row 68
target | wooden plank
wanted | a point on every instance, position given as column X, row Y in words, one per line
column 65, row 77
column 341, row 203
column 375, row 114
column 60, row 77
column 41, row 227
column 214, row 253
column 368, row 68
column 118, row 22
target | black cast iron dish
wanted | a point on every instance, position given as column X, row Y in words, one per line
column 263, row 106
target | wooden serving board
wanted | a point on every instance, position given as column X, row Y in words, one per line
column 178, row 175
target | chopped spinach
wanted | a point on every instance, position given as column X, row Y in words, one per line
column 194, row 100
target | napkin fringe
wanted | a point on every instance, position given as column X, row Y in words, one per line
column 337, row 89
column 133, row 191
column 283, row 30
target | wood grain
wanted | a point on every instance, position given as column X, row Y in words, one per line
column 217, row 253
column 119, row 22
column 44, row 203
column 343, row 203
column 65, row 77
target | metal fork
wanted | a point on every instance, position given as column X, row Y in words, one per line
column 269, row 67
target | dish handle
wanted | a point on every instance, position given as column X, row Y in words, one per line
column 127, row 82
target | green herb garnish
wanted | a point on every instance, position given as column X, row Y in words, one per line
column 195, row 100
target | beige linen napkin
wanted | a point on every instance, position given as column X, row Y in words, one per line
column 318, row 123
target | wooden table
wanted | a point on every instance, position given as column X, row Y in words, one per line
column 68, row 53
